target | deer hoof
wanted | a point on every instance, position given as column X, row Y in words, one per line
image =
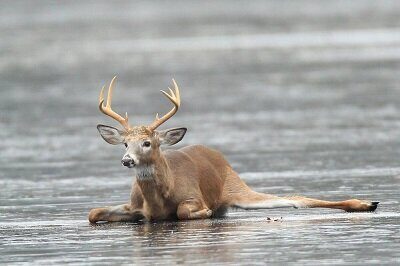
column 374, row 205
column 94, row 216
column 355, row 205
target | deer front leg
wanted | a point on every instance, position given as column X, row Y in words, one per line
column 193, row 209
column 120, row 213
column 353, row 205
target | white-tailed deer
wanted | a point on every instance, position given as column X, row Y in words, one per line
column 194, row 182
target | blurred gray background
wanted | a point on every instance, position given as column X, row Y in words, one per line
column 301, row 96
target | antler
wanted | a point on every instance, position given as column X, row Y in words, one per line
column 107, row 108
column 175, row 99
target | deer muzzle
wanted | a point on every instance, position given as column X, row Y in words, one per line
column 128, row 161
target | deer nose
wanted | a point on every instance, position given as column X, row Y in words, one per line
column 127, row 161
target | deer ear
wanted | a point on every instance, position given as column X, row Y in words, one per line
column 171, row 136
column 111, row 135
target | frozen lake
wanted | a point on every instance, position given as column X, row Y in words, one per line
column 302, row 97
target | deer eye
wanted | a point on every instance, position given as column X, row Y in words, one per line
column 146, row 144
column 126, row 145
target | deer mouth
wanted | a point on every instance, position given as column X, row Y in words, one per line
column 131, row 165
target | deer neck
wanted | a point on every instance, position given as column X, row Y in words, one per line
column 155, row 181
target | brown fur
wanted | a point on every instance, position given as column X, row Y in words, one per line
column 193, row 183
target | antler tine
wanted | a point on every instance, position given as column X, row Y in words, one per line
column 175, row 98
column 107, row 108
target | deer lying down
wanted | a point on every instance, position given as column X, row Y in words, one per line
column 194, row 182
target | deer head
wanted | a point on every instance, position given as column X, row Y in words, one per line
column 142, row 142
